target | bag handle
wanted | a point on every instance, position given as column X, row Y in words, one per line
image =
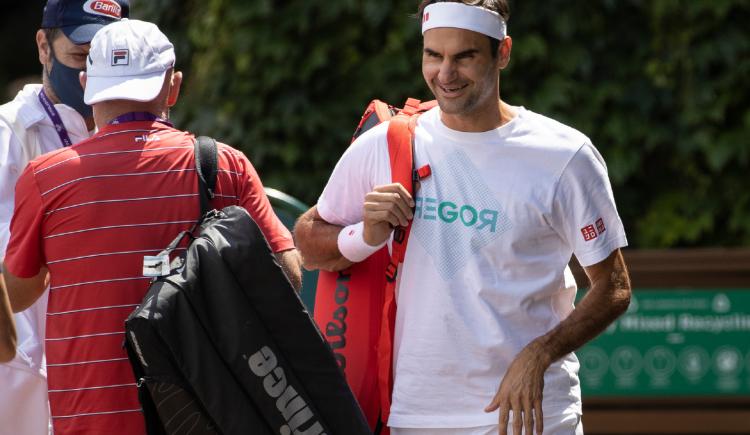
column 207, row 166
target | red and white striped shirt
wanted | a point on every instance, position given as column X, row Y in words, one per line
column 90, row 213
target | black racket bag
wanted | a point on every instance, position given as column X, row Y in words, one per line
column 224, row 345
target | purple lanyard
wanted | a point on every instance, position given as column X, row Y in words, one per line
column 54, row 116
column 138, row 116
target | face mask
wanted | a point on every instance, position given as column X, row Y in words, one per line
column 64, row 81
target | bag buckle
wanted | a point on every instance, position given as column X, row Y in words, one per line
column 399, row 234
column 391, row 271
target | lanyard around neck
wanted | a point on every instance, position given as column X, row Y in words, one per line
column 54, row 116
column 138, row 116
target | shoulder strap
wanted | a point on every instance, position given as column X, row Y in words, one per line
column 401, row 153
column 207, row 166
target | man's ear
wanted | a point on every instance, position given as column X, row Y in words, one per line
column 174, row 88
column 82, row 79
column 43, row 47
column 503, row 51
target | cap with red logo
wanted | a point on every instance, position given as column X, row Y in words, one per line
column 81, row 19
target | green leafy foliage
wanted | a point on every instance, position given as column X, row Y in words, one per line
column 660, row 87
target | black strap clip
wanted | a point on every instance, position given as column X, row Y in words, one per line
column 399, row 234
column 391, row 271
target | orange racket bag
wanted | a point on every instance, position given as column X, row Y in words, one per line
column 355, row 308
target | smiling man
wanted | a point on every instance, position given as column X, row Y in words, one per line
column 485, row 326
column 42, row 118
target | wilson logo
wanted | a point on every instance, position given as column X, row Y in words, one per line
column 104, row 8
column 292, row 406
column 336, row 328
column 432, row 209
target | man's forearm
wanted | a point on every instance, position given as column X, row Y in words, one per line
column 317, row 241
column 607, row 298
column 521, row 388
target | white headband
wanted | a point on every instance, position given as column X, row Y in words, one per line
column 462, row 16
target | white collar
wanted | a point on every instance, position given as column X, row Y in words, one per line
column 31, row 112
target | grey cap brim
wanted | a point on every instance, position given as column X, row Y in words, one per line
column 82, row 34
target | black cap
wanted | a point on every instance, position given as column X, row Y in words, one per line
column 81, row 19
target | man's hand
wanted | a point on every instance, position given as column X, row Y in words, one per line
column 521, row 392
column 386, row 207
column 291, row 263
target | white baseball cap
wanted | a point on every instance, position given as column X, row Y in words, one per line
column 128, row 60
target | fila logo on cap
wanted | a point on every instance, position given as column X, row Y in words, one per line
column 120, row 57
column 104, row 8
column 425, row 17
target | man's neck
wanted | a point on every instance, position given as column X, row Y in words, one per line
column 484, row 119
column 105, row 113
column 50, row 92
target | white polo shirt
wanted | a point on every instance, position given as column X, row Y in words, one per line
column 486, row 265
column 25, row 133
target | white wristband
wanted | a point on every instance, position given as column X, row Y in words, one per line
column 352, row 243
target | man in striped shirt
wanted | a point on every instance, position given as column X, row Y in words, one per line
column 89, row 214
column 43, row 117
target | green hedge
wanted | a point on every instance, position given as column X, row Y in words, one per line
column 661, row 87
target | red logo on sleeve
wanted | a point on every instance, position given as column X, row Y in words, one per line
column 589, row 232
column 600, row 226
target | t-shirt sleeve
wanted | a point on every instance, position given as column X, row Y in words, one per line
column 363, row 166
column 253, row 198
column 584, row 213
column 25, row 255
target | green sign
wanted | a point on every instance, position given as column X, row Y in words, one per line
column 673, row 343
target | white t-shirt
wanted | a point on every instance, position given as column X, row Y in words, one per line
column 486, row 265
column 23, row 390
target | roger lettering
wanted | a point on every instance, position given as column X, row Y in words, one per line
column 448, row 212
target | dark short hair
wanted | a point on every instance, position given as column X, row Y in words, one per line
column 52, row 33
column 499, row 6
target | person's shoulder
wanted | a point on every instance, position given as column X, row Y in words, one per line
column 230, row 151
column 24, row 107
column 552, row 133
column 366, row 150
column 377, row 133
column 5, row 125
column 60, row 156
